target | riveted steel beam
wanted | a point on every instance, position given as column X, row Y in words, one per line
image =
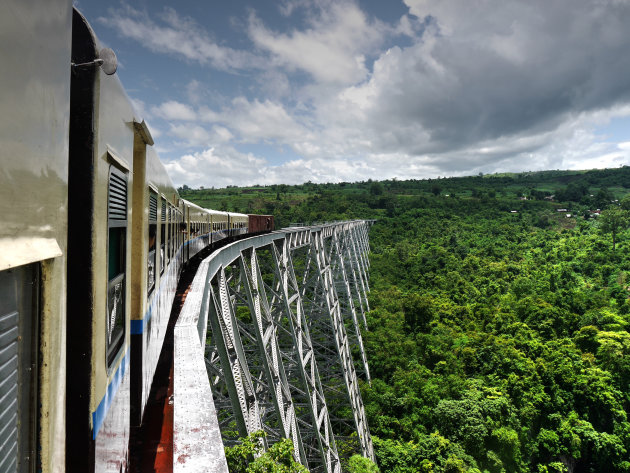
column 279, row 317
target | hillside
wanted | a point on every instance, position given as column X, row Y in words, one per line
column 499, row 326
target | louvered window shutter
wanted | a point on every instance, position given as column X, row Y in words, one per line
column 117, row 199
column 153, row 207
column 116, row 263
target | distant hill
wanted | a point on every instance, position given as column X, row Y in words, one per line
column 310, row 202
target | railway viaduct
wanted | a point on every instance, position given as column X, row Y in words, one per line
column 269, row 338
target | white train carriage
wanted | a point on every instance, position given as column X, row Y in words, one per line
column 123, row 262
column 93, row 240
column 220, row 225
column 196, row 230
column 238, row 223
column 34, row 129
column 157, row 260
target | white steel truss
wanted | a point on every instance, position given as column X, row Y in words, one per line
column 281, row 317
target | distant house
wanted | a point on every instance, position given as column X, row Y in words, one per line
column 550, row 197
column 513, row 211
column 568, row 215
column 562, row 210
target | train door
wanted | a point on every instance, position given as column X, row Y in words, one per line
column 151, row 259
column 163, row 236
column 81, row 205
column 187, row 231
column 19, row 290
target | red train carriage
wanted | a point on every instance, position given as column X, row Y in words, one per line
column 260, row 223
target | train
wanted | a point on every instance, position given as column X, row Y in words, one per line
column 94, row 237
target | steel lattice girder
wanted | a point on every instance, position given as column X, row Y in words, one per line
column 264, row 367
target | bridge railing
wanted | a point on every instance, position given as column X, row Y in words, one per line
column 261, row 344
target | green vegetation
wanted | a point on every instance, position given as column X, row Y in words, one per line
column 498, row 334
column 248, row 456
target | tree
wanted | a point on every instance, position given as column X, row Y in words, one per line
column 613, row 221
column 376, row 188
column 278, row 459
column 603, row 198
column 359, row 464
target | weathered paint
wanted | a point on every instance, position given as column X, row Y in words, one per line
column 149, row 312
column 109, row 398
column 35, row 104
column 197, row 443
column 112, row 439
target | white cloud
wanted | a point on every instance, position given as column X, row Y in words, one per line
column 173, row 110
column 247, row 121
column 499, row 85
column 217, row 167
column 332, row 49
column 256, row 120
column 171, row 33
column 488, row 84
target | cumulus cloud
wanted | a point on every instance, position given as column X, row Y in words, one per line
column 488, row 85
column 169, row 32
column 173, row 110
column 196, row 136
column 452, row 87
column 219, row 168
column 266, row 120
column 332, row 49
column 486, row 70
column 242, row 119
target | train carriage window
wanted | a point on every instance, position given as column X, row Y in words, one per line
column 180, row 230
column 163, row 236
column 117, row 262
column 152, row 245
column 175, row 232
column 170, row 234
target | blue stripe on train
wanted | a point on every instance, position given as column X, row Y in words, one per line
column 98, row 416
column 138, row 326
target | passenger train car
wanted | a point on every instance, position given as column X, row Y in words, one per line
column 93, row 239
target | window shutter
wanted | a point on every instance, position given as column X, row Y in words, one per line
column 153, row 207
column 117, row 198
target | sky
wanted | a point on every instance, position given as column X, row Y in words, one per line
column 246, row 92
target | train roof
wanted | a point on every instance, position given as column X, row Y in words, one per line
column 206, row 210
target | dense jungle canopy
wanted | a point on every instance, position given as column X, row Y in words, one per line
column 498, row 333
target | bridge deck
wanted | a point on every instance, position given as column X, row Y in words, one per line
column 180, row 430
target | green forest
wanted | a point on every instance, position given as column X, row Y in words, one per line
column 498, row 332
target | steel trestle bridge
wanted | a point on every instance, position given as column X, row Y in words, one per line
column 269, row 339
